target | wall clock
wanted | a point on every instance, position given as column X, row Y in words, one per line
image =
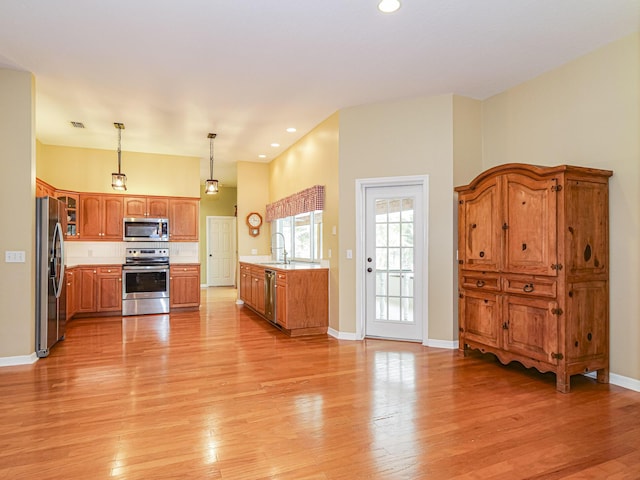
column 254, row 221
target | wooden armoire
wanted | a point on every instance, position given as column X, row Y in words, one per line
column 533, row 268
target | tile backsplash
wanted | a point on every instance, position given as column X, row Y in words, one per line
column 97, row 253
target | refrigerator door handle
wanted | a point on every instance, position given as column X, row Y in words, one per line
column 59, row 281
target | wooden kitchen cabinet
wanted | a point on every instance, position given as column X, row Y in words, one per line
column 245, row 284
column 281, row 299
column 109, row 288
column 43, row 189
column 302, row 301
column 152, row 207
column 184, row 223
column 533, row 268
column 87, row 289
column 71, row 303
column 71, row 201
column 184, row 286
column 99, row 288
column 257, row 288
column 100, row 217
column 302, row 297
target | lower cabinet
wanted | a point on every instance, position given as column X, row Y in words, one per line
column 257, row 289
column 184, row 286
column 97, row 289
column 302, row 297
column 281, row 299
column 245, row 284
column 109, row 289
column 71, row 303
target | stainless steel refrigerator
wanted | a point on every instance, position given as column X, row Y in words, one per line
column 50, row 287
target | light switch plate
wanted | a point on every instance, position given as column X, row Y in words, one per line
column 349, row 253
column 14, row 256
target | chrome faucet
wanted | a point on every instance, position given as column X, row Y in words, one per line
column 274, row 246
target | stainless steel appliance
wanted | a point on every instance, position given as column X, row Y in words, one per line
column 143, row 229
column 270, row 295
column 145, row 281
column 50, row 298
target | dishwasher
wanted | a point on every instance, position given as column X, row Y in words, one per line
column 270, row 295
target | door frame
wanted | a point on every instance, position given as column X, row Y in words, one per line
column 362, row 185
column 234, row 241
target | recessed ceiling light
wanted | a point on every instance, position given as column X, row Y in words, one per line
column 262, row 155
column 388, row 6
column 275, row 144
column 291, row 130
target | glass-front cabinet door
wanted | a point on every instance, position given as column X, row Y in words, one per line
column 70, row 199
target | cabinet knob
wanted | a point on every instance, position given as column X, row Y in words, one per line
column 528, row 287
column 480, row 283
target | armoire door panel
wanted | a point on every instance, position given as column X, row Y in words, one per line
column 586, row 239
column 479, row 220
column 480, row 313
column 530, row 215
column 531, row 328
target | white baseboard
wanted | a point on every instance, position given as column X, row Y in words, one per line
column 18, row 360
column 619, row 380
column 449, row 344
column 341, row 335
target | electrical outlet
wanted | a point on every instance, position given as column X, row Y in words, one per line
column 14, row 256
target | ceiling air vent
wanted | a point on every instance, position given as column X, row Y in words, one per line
column 77, row 124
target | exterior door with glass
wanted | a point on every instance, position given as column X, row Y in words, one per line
column 394, row 249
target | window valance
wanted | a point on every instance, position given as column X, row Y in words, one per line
column 307, row 200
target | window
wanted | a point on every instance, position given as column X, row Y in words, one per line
column 302, row 237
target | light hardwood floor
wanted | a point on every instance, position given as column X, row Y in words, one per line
column 220, row 394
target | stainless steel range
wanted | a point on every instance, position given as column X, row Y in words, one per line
column 145, row 281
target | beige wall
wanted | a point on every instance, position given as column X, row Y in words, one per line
column 313, row 160
column 253, row 196
column 586, row 113
column 409, row 137
column 89, row 170
column 17, row 215
column 221, row 204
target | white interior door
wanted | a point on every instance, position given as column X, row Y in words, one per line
column 221, row 251
column 394, row 250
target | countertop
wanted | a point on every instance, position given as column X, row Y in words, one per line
column 288, row 266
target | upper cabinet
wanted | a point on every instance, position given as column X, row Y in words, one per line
column 100, row 217
column 43, row 189
column 184, row 219
column 153, row 207
column 71, row 201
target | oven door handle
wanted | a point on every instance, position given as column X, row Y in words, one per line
column 146, row 268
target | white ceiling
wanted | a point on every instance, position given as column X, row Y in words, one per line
column 173, row 71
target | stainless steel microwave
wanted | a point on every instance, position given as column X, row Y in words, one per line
column 146, row 229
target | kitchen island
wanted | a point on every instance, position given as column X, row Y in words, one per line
column 297, row 303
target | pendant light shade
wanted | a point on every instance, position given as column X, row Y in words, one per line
column 211, row 185
column 119, row 180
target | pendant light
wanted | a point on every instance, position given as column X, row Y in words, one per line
column 211, row 185
column 119, row 180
